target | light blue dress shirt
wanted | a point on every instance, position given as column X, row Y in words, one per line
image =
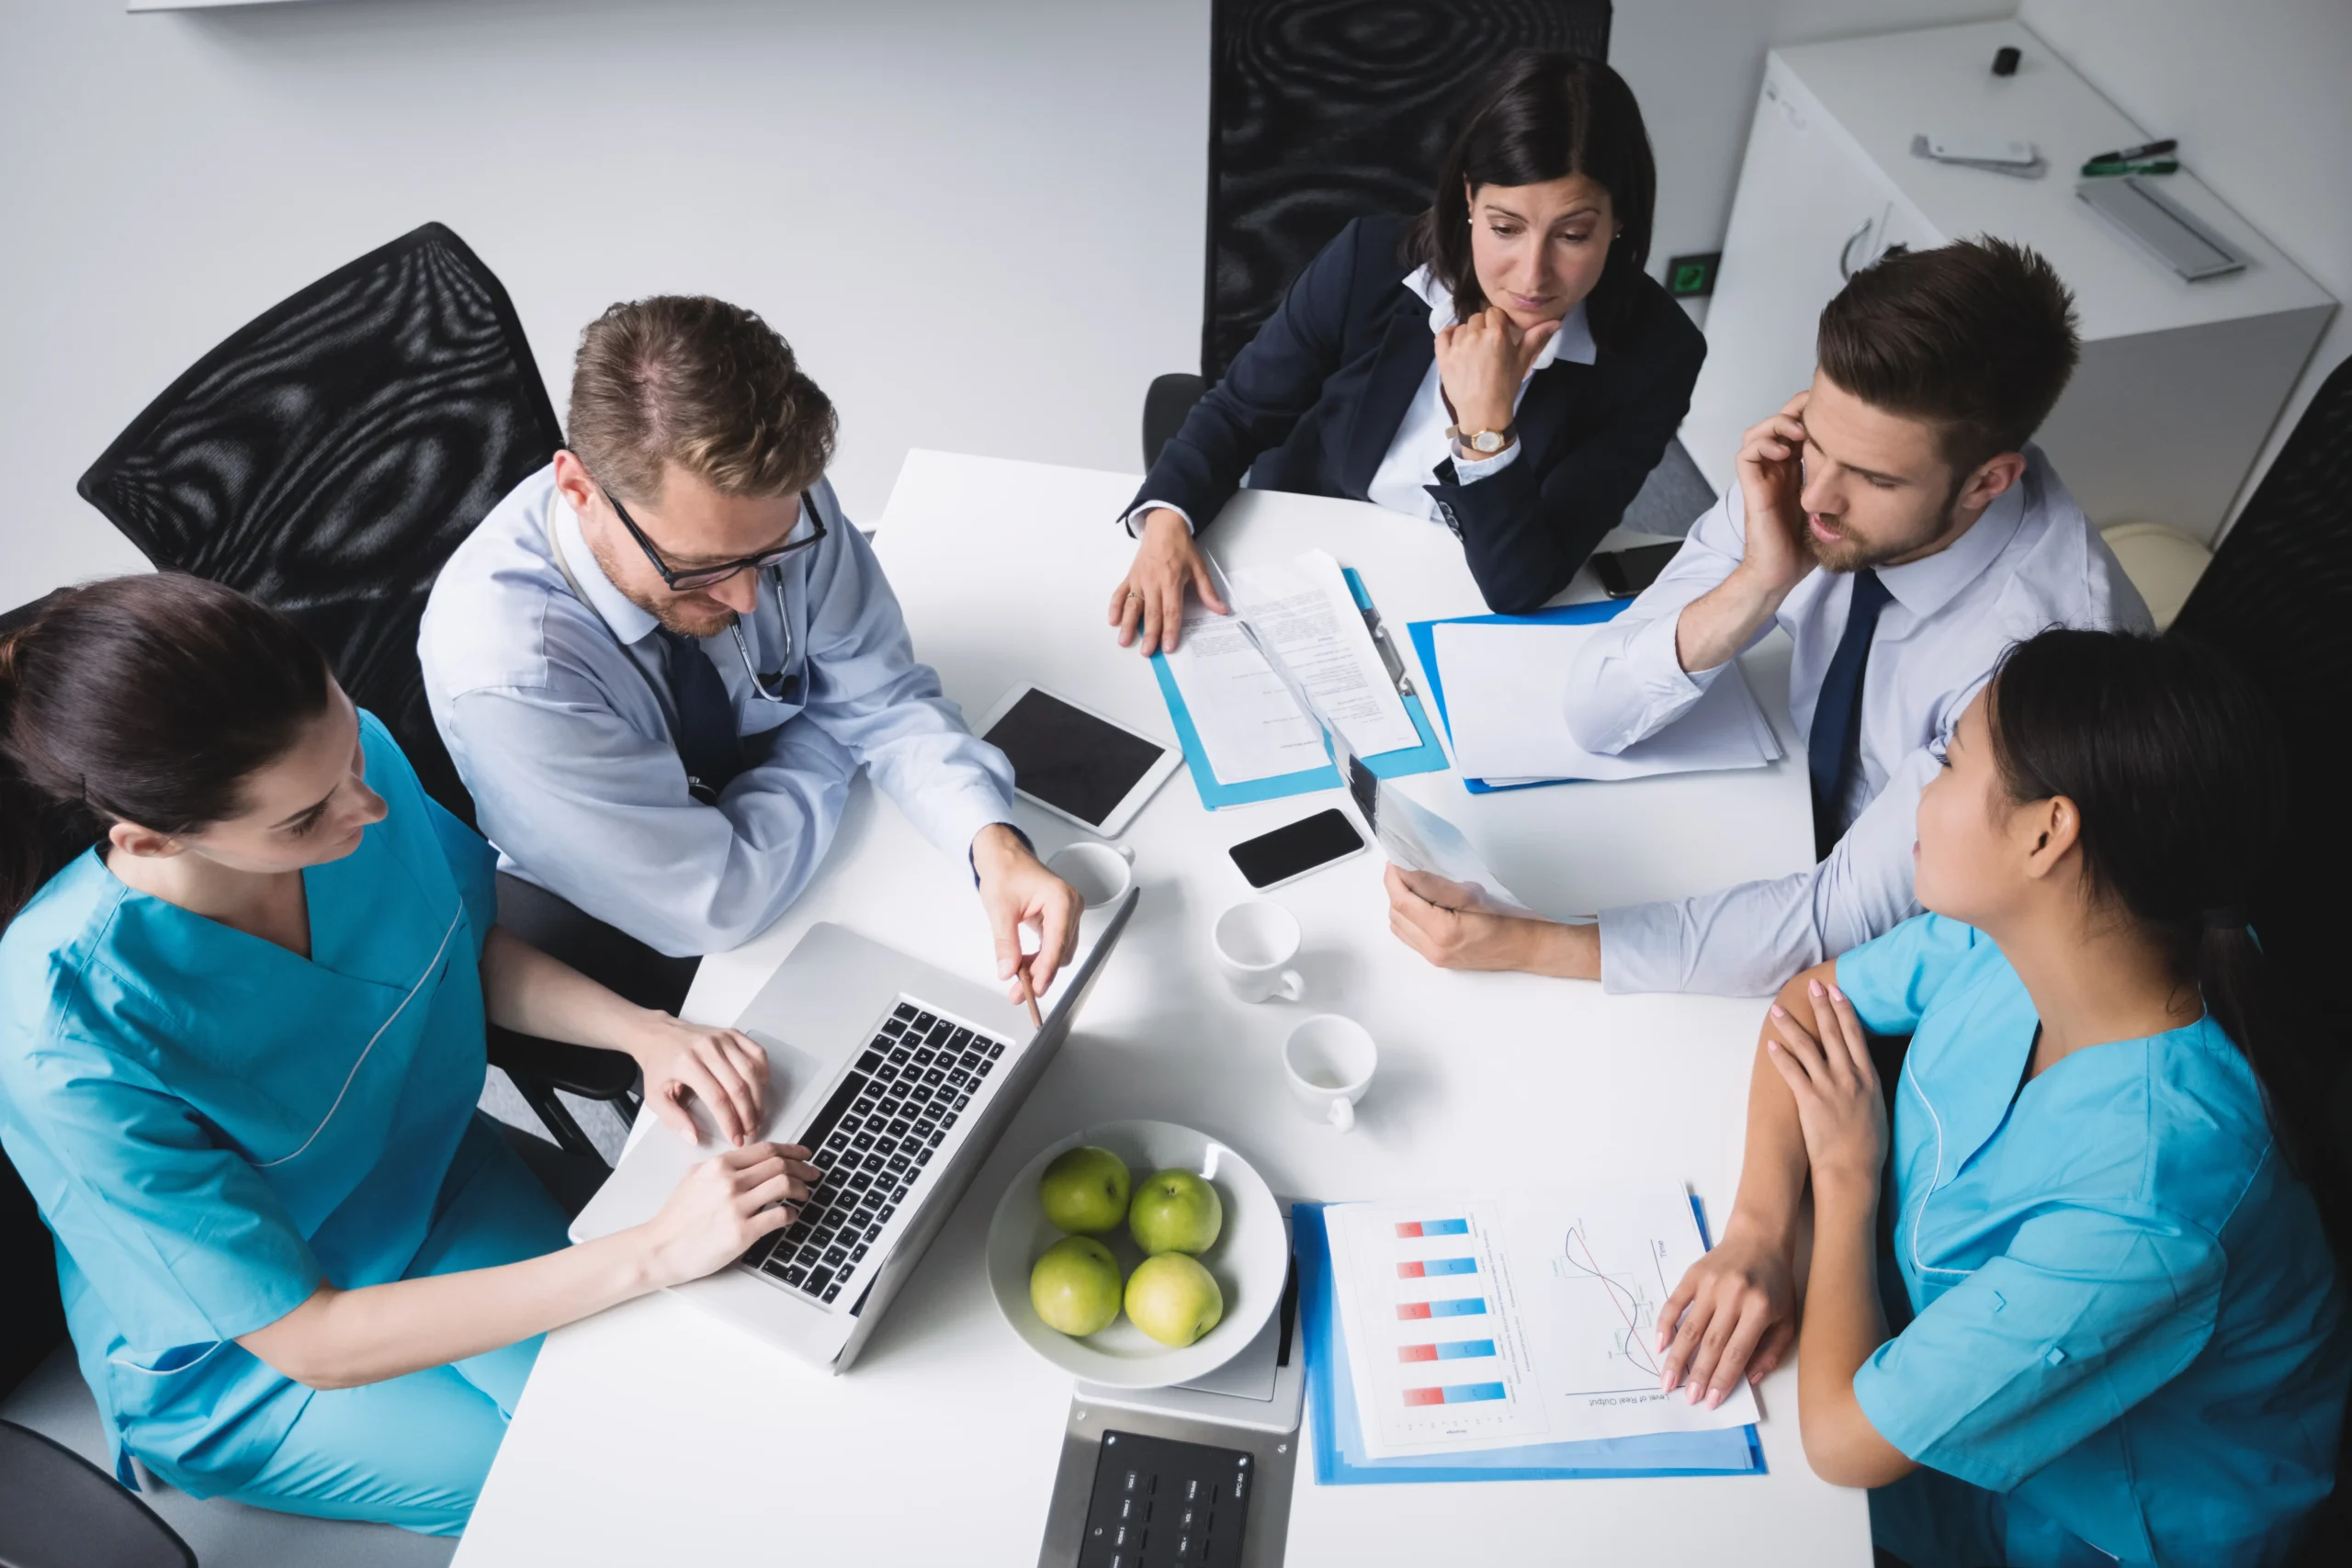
column 213, row 1126
column 556, row 708
column 2030, row 561
column 2129, row 1335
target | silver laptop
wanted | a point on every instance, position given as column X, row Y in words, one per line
column 899, row 1078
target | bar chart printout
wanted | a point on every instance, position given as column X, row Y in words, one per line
column 1433, row 1347
column 1484, row 1325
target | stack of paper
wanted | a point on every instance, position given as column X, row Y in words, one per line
column 1245, row 718
column 1482, row 1323
column 1505, row 702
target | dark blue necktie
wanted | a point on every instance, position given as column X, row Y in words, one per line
column 1834, row 748
column 707, row 740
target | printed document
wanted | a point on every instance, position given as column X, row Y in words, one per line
column 1414, row 838
column 1506, row 700
column 1243, row 711
column 1488, row 1324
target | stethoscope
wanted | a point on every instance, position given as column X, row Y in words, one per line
column 787, row 680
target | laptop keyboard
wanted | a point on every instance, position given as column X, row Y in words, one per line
column 874, row 1141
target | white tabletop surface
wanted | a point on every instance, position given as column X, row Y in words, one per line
column 655, row 1433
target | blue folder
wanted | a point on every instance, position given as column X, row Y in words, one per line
column 1424, row 636
column 1338, row 1430
column 1427, row 756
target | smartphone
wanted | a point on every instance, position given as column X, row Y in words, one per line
column 1624, row 574
column 1290, row 852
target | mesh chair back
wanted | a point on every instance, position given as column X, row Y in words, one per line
column 1325, row 110
column 331, row 454
column 2279, row 598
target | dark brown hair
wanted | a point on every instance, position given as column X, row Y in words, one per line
column 1976, row 337
column 698, row 382
column 147, row 699
column 1544, row 116
column 2177, row 767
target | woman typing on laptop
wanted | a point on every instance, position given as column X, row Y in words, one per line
column 247, row 968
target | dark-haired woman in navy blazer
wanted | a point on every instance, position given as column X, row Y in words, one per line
column 1500, row 365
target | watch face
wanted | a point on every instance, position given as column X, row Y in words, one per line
column 1488, row 441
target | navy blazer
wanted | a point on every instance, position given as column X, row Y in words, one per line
column 1312, row 404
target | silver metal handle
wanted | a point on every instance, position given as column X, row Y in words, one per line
column 1845, row 251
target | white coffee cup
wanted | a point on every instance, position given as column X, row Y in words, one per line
column 1330, row 1062
column 1255, row 941
column 1102, row 873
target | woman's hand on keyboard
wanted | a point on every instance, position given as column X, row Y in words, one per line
column 723, row 1068
column 723, row 1205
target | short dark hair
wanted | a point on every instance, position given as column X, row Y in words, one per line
column 2179, row 771
column 147, row 699
column 1545, row 116
column 1976, row 336
column 701, row 383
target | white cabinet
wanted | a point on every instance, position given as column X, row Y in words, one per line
column 2179, row 382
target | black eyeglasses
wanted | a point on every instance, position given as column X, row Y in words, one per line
column 706, row 576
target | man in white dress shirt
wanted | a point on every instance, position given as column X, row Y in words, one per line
column 659, row 661
column 1897, row 522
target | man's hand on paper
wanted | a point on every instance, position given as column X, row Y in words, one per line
column 1151, row 596
column 1736, row 1312
column 1451, row 926
column 1774, row 558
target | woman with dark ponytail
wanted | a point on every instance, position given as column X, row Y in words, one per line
column 2081, row 1305
column 242, row 990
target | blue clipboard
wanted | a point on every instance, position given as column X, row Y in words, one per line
column 1427, row 756
column 1330, row 1395
column 1424, row 636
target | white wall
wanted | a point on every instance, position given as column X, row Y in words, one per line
column 980, row 223
column 2259, row 92
column 1697, row 66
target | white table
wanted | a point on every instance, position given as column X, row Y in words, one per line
column 654, row 1433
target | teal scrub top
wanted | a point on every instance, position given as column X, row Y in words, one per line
column 213, row 1126
column 2126, row 1317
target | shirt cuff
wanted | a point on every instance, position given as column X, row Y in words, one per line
column 1136, row 514
column 1469, row 469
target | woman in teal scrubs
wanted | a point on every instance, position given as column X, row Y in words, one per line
column 2099, row 1319
column 243, row 988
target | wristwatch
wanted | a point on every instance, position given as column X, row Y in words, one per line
column 1485, row 443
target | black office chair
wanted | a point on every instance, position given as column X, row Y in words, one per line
column 2277, row 597
column 326, row 459
column 1323, row 110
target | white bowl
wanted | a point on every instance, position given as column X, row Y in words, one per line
column 1251, row 1260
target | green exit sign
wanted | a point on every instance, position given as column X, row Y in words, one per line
column 1690, row 277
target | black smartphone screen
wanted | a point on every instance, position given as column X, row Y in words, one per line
column 1069, row 758
column 1287, row 852
column 1624, row 574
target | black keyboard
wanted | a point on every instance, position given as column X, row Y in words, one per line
column 1159, row 1503
column 874, row 1141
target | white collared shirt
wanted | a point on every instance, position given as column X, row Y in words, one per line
column 1420, row 443
column 2029, row 562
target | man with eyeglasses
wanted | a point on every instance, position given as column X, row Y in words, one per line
column 659, row 661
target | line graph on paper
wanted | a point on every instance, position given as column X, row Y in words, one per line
column 1615, row 1282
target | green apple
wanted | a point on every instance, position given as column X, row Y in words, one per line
column 1084, row 1189
column 1175, row 1211
column 1173, row 1299
column 1075, row 1286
